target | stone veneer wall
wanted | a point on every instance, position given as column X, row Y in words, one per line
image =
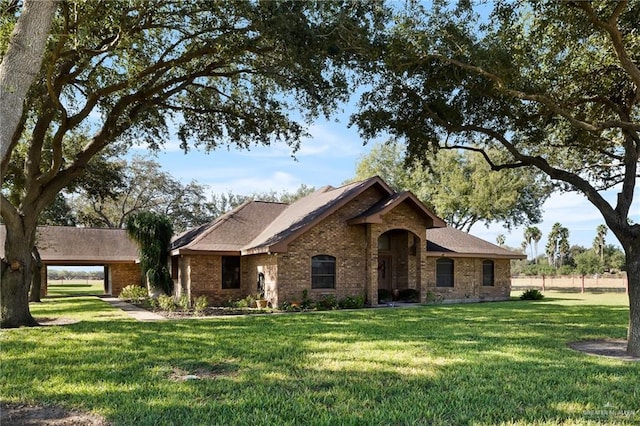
column 122, row 275
column 467, row 276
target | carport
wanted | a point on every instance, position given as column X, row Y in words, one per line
column 70, row 246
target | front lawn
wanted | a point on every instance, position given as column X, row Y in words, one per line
column 476, row 364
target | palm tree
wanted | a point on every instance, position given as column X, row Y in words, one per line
column 599, row 241
column 536, row 235
column 528, row 238
column 557, row 244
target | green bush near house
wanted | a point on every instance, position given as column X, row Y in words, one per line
column 200, row 304
column 134, row 293
column 351, row 302
column 166, row 303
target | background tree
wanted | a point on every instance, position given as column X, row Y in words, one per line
column 549, row 85
column 557, row 247
column 500, row 239
column 143, row 186
column 528, row 239
column 152, row 232
column 222, row 203
column 459, row 186
column 536, row 235
column 120, row 73
column 599, row 241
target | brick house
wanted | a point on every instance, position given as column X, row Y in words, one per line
column 359, row 239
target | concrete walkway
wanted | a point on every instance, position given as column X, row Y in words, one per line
column 132, row 310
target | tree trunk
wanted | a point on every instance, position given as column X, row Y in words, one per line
column 633, row 279
column 21, row 64
column 36, row 277
column 16, row 276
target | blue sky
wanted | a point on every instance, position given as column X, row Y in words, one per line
column 329, row 157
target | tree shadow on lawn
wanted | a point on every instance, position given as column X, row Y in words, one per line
column 432, row 365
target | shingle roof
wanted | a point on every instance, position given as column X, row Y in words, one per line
column 308, row 211
column 68, row 245
column 451, row 242
column 231, row 231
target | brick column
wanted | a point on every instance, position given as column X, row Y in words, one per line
column 371, row 253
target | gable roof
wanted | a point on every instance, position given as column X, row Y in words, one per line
column 375, row 213
column 307, row 212
column 64, row 245
column 229, row 232
column 451, row 242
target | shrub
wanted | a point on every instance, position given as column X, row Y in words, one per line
column 327, row 302
column 306, row 302
column 134, row 293
column 384, row 295
column 409, row 295
column 532, row 294
column 200, row 304
column 184, row 303
column 434, row 298
column 166, row 303
column 351, row 302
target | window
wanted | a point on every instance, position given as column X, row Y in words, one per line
column 487, row 272
column 230, row 271
column 323, row 271
column 444, row 272
column 384, row 242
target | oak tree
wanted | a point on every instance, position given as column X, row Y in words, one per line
column 460, row 187
column 549, row 85
column 137, row 72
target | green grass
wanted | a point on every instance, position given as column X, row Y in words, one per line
column 75, row 287
column 476, row 364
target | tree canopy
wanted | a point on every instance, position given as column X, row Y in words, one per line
column 143, row 186
column 210, row 74
column 460, row 187
column 550, row 85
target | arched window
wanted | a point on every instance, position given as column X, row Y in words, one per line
column 323, row 271
column 444, row 272
column 487, row 272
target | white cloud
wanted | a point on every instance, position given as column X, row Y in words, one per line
column 245, row 184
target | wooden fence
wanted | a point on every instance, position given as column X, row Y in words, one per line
column 595, row 283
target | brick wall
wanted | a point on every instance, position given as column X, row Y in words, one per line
column 333, row 237
column 122, row 275
column 203, row 277
column 467, row 285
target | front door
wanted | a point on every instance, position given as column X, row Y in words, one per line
column 384, row 272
